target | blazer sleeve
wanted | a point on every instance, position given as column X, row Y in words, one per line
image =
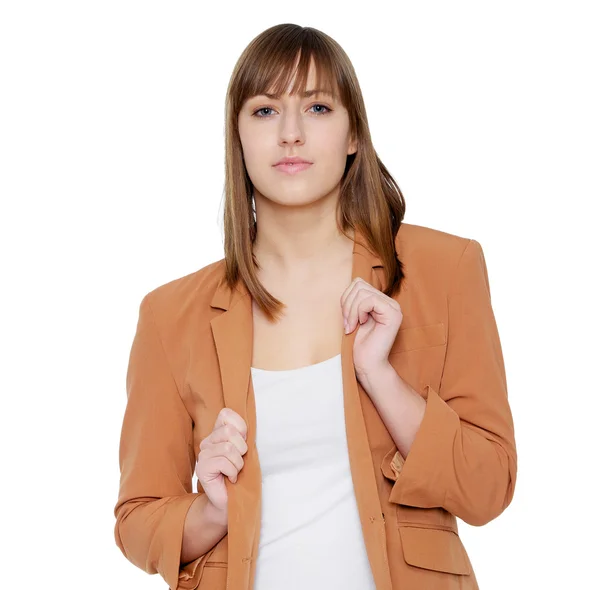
column 156, row 459
column 464, row 456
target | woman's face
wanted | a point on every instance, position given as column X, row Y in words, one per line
column 314, row 128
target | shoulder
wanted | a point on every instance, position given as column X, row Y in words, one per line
column 433, row 252
column 183, row 297
column 421, row 240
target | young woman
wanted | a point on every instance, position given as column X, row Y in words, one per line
column 357, row 356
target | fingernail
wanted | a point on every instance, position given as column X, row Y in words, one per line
column 346, row 328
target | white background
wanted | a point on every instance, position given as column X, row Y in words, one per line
column 111, row 179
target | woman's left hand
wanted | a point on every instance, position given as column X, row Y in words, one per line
column 378, row 318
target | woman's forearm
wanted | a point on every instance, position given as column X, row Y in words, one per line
column 204, row 527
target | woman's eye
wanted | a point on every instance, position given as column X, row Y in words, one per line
column 263, row 116
column 323, row 106
column 255, row 113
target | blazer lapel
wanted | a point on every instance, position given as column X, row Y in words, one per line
column 233, row 336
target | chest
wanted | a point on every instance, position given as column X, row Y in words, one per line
column 310, row 329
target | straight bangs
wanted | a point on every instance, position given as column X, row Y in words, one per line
column 277, row 62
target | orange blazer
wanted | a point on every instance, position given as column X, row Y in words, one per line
column 191, row 356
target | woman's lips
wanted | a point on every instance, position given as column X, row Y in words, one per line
column 293, row 168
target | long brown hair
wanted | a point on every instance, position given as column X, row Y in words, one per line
column 370, row 199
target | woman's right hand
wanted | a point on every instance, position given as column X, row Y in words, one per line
column 221, row 454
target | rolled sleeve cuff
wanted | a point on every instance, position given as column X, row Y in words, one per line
column 419, row 478
column 159, row 549
column 172, row 539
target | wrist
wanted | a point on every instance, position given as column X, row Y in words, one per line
column 369, row 377
column 214, row 515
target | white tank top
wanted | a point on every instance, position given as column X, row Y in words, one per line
column 310, row 536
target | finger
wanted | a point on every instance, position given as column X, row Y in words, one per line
column 361, row 303
column 223, row 457
column 349, row 294
column 225, row 433
column 226, row 467
column 229, row 450
column 359, row 291
column 344, row 303
column 229, row 416
column 380, row 307
column 368, row 303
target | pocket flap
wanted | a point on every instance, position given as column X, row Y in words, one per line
column 191, row 573
column 434, row 549
column 419, row 337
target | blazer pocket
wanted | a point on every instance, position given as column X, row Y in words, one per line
column 206, row 571
column 214, row 577
column 434, row 549
column 419, row 337
column 191, row 575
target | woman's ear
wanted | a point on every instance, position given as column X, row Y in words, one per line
column 352, row 146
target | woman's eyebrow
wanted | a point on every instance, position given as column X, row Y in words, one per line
column 305, row 94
